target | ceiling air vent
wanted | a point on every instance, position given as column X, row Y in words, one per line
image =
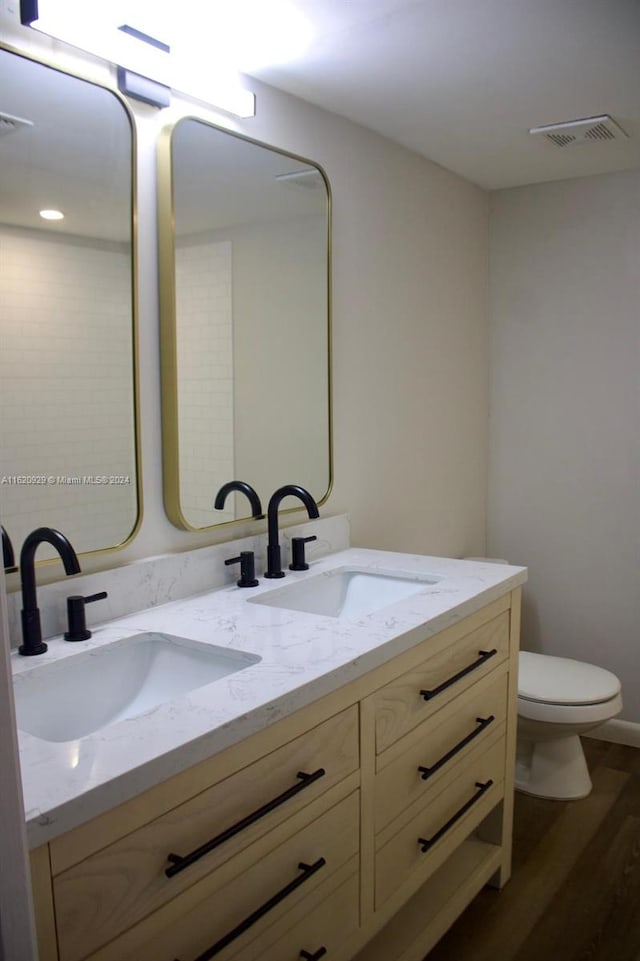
column 9, row 124
column 589, row 130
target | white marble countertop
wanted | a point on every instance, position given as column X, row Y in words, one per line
column 302, row 658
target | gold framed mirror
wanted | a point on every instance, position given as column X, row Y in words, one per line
column 68, row 403
column 244, row 234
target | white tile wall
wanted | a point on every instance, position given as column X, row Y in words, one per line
column 66, row 391
column 205, row 390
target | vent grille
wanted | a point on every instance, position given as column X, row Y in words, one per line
column 9, row 124
column 561, row 139
column 599, row 131
column 589, row 130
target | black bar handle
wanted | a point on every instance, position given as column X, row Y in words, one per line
column 426, row 843
column 482, row 657
column 179, row 863
column 482, row 722
column 320, row 953
column 308, row 870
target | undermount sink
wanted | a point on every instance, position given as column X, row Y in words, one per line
column 347, row 593
column 84, row 693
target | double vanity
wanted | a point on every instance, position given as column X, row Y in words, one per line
column 321, row 768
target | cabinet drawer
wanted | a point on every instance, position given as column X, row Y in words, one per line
column 420, row 761
column 410, row 849
column 111, row 890
column 404, row 703
column 328, row 926
column 222, row 916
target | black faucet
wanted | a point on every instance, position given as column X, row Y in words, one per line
column 8, row 556
column 274, row 564
column 243, row 488
column 31, row 630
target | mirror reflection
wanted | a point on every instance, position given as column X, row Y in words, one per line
column 67, row 397
column 245, row 321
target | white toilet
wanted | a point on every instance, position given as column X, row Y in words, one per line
column 559, row 699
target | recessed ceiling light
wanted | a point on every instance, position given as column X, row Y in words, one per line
column 52, row 215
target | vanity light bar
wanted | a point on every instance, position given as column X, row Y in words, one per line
column 149, row 71
column 139, row 87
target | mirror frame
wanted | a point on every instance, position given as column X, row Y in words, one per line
column 168, row 327
column 135, row 351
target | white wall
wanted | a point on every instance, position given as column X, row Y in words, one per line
column 564, row 476
column 409, row 336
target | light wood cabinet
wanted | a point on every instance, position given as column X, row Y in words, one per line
column 410, row 849
column 226, row 911
column 113, row 888
column 331, row 834
column 434, row 748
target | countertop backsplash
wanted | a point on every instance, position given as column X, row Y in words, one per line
column 168, row 577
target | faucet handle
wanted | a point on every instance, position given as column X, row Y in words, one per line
column 298, row 560
column 247, row 568
column 76, row 615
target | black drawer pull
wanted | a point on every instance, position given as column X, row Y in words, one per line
column 482, row 722
column 320, row 953
column 179, row 863
column 482, row 657
column 308, row 870
column 426, row 843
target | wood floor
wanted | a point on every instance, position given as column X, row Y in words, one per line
column 574, row 894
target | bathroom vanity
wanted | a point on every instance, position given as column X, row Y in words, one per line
column 343, row 797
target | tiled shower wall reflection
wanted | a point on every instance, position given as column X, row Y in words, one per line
column 66, row 387
column 205, row 378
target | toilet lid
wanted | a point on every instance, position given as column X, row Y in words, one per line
column 560, row 680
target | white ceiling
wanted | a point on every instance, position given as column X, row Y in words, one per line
column 459, row 81
column 462, row 81
column 76, row 156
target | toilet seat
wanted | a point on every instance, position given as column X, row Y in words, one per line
column 569, row 714
column 564, row 682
